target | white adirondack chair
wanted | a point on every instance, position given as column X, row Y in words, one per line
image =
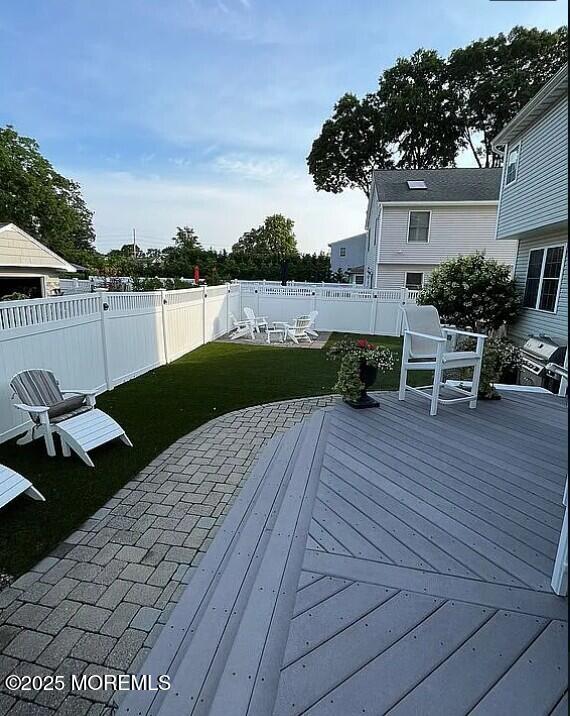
column 241, row 329
column 310, row 328
column 13, row 484
column 426, row 347
column 296, row 331
column 80, row 425
column 258, row 322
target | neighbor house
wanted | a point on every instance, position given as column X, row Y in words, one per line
column 418, row 218
column 27, row 266
column 347, row 255
column 533, row 208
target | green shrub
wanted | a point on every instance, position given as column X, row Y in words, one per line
column 472, row 292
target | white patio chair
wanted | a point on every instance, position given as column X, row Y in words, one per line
column 13, row 484
column 80, row 425
column 426, row 348
column 310, row 328
column 296, row 331
column 241, row 329
column 257, row 321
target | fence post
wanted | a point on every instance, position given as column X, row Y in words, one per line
column 228, row 301
column 204, row 297
column 163, row 314
column 373, row 312
column 103, row 307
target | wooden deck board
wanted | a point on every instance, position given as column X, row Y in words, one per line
column 392, row 563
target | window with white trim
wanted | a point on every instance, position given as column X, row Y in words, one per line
column 512, row 165
column 543, row 278
column 418, row 227
column 343, row 251
column 414, row 280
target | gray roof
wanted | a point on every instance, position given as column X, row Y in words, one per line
column 442, row 184
column 356, row 237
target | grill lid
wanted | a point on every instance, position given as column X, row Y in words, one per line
column 543, row 349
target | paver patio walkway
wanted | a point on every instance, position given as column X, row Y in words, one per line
column 98, row 602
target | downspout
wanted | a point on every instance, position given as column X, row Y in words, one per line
column 378, row 235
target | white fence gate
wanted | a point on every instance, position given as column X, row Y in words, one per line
column 99, row 340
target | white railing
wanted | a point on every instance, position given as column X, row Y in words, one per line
column 99, row 340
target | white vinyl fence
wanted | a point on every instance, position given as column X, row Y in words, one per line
column 98, row 340
column 340, row 307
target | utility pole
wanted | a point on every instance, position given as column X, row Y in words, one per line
column 134, row 243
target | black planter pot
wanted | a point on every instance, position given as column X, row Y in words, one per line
column 368, row 375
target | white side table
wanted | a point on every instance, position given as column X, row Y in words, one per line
column 277, row 332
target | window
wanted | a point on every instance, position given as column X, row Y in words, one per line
column 359, row 279
column 343, row 251
column 417, row 184
column 512, row 165
column 414, row 280
column 418, row 226
column 543, row 278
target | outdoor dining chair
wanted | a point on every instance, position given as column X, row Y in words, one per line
column 296, row 331
column 426, row 347
column 80, row 425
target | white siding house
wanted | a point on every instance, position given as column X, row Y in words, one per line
column 534, row 209
column 347, row 255
column 27, row 266
column 412, row 230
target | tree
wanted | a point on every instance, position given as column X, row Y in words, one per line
column 472, row 292
column 42, row 202
column 180, row 259
column 421, row 111
column 273, row 240
column 351, row 145
column 496, row 77
column 186, row 238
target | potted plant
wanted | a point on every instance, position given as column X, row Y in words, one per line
column 359, row 365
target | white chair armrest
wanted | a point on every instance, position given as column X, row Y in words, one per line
column 281, row 324
column 32, row 408
column 457, row 332
column 425, row 335
column 79, row 392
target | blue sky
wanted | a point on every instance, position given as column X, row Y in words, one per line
column 202, row 112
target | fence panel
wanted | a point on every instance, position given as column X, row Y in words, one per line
column 133, row 334
column 216, row 309
column 184, row 321
column 61, row 334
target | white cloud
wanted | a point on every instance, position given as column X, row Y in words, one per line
column 219, row 213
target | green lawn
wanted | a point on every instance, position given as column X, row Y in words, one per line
column 155, row 410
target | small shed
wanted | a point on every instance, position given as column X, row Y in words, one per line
column 27, row 266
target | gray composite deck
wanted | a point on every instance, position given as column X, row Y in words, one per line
column 382, row 562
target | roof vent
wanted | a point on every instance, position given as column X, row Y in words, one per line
column 417, row 184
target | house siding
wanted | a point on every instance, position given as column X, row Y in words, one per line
column 454, row 231
column 17, row 250
column 533, row 322
column 392, row 276
column 538, row 198
column 371, row 248
column 355, row 250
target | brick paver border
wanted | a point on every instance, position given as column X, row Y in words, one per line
column 98, row 602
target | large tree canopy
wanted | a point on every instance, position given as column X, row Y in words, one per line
column 351, row 144
column 274, row 240
column 427, row 108
column 421, row 111
column 40, row 201
column 496, row 77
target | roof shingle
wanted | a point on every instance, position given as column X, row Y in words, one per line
column 442, row 184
